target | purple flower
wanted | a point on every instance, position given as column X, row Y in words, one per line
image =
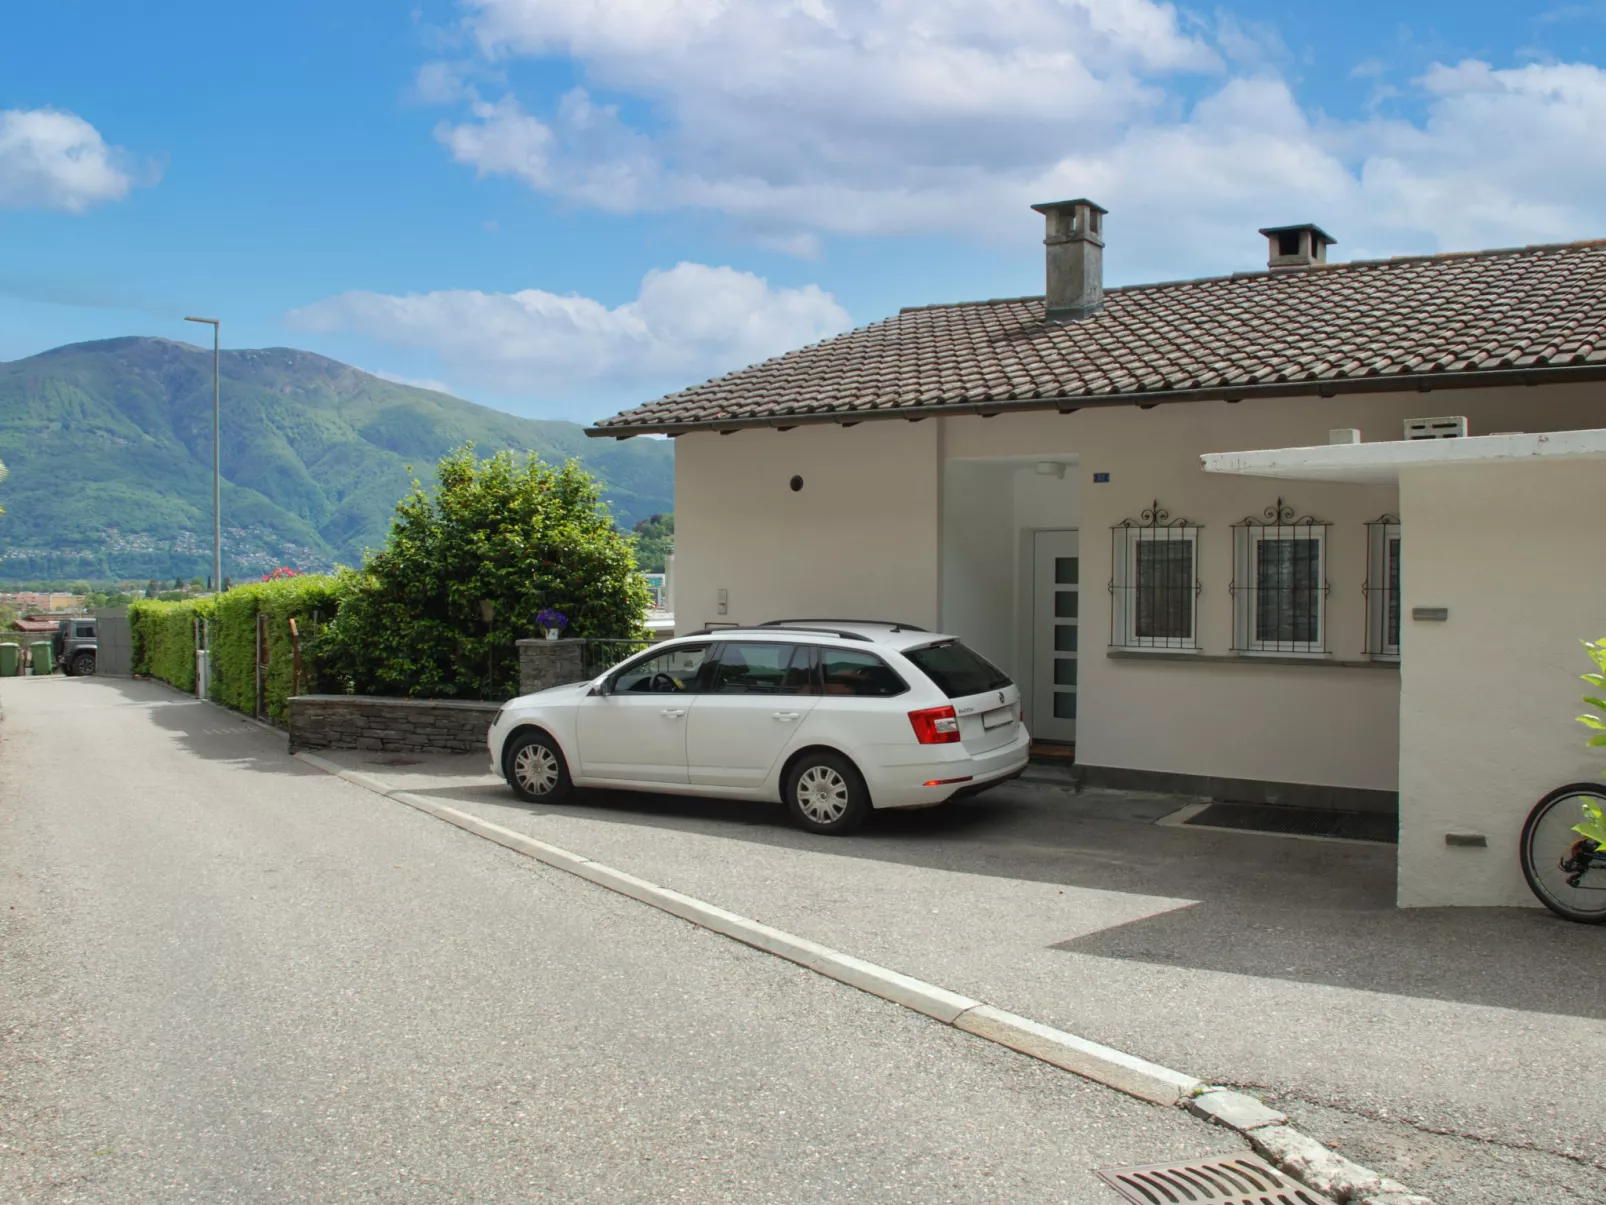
column 548, row 618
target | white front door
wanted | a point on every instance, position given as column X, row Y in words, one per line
column 1056, row 616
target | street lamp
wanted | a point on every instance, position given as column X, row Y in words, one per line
column 217, row 467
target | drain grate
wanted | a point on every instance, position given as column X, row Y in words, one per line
column 1300, row 821
column 1216, row 1180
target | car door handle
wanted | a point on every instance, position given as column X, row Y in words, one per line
column 673, row 713
column 787, row 716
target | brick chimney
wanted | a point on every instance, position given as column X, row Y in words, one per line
column 1075, row 242
column 1296, row 246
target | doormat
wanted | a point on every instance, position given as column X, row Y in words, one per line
column 1052, row 753
column 1300, row 821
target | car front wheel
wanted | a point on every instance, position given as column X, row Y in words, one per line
column 826, row 794
column 536, row 769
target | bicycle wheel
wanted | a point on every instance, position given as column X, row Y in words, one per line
column 1564, row 868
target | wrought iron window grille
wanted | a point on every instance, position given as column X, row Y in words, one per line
column 1279, row 586
column 1382, row 586
column 1154, row 586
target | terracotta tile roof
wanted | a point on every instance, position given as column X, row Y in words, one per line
column 1477, row 318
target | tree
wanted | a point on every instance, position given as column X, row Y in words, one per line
column 655, row 542
column 153, row 588
column 513, row 532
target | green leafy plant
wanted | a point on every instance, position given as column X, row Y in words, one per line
column 1594, row 825
column 510, row 531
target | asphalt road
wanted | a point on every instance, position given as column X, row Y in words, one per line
column 227, row 977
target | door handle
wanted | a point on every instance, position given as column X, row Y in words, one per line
column 787, row 716
column 673, row 713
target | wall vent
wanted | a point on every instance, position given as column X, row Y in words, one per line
column 1436, row 428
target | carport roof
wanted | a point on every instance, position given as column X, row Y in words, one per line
column 1523, row 315
column 1380, row 463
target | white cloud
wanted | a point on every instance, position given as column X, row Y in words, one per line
column 687, row 322
column 415, row 382
column 797, row 119
column 55, row 160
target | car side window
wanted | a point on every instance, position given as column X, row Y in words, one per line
column 763, row 669
column 86, row 629
column 673, row 671
column 851, row 672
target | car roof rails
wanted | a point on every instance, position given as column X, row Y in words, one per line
column 895, row 625
column 842, row 633
column 784, row 626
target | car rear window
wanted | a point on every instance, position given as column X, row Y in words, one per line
column 851, row 672
column 957, row 670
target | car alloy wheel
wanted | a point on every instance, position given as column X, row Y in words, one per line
column 822, row 794
column 825, row 793
column 536, row 769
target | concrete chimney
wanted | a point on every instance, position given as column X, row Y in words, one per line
column 1075, row 242
column 1296, row 246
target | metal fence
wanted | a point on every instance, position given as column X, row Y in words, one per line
column 598, row 655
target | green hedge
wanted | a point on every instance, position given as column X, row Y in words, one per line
column 164, row 639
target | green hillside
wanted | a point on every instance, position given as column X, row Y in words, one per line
column 110, row 450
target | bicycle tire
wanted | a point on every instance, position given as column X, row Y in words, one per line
column 1531, row 867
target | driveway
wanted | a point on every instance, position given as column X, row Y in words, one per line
column 225, row 976
column 1440, row 1046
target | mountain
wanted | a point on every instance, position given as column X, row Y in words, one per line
column 110, row 450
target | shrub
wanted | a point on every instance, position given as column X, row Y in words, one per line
column 163, row 635
column 517, row 533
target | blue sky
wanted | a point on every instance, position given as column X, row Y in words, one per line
column 562, row 207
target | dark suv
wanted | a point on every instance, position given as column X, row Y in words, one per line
column 75, row 645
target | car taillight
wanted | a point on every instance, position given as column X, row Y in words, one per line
column 935, row 725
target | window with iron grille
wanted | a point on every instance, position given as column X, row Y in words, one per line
column 1382, row 587
column 1279, row 585
column 1154, row 586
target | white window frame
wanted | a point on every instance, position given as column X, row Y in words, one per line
column 1246, row 602
column 1379, row 538
column 1125, row 609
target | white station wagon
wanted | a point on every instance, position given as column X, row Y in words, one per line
column 833, row 717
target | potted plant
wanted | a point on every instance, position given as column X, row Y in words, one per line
column 551, row 622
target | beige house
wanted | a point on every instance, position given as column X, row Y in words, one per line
column 1027, row 473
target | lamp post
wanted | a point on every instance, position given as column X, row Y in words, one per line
column 217, row 466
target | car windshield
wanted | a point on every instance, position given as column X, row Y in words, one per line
column 957, row 670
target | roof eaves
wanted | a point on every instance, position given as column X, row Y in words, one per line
column 1328, row 387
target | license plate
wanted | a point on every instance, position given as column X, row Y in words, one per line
column 998, row 718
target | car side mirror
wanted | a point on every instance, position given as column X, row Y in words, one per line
column 599, row 687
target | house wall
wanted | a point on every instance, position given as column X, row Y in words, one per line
column 863, row 539
column 1488, row 697
column 860, row 538
column 979, row 557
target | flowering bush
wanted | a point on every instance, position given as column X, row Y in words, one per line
column 279, row 574
column 549, row 618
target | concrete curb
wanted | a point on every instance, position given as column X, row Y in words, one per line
column 1266, row 1129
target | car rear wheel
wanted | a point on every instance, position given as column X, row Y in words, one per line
column 82, row 666
column 536, row 769
column 826, row 794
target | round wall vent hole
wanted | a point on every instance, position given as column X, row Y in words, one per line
column 797, row 484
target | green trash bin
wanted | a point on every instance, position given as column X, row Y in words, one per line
column 10, row 660
column 41, row 658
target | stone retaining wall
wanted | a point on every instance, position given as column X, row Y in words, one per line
column 389, row 725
